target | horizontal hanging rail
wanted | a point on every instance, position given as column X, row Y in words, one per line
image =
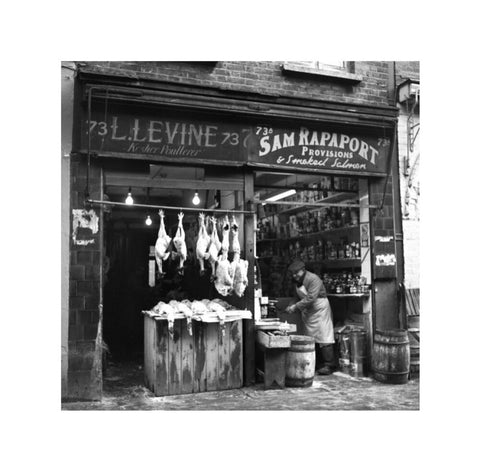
column 317, row 204
column 178, row 208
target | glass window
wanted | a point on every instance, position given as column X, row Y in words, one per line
column 312, row 217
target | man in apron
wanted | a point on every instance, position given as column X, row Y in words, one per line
column 316, row 315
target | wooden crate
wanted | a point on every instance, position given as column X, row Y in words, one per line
column 271, row 353
column 209, row 360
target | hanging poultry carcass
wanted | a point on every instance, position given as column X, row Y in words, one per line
column 239, row 267
column 235, row 246
column 225, row 237
column 179, row 243
column 240, row 279
column 202, row 243
column 165, row 309
column 235, row 239
column 161, row 245
column 223, row 279
column 213, row 248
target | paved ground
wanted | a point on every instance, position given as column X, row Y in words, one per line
column 124, row 390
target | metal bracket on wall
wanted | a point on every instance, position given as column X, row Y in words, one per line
column 412, row 131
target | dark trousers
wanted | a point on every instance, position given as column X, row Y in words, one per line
column 324, row 356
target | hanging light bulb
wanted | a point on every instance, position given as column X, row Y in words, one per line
column 129, row 199
column 196, row 199
column 148, row 221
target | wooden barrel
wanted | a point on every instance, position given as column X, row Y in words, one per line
column 391, row 356
column 414, row 338
column 358, row 343
column 300, row 362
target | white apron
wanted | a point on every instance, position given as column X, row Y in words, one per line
column 317, row 320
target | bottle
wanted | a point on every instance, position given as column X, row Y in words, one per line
column 357, row 250
column 348, row 251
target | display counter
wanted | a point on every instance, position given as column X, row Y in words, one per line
column 208, row 359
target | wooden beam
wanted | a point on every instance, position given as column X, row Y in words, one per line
column 140, row 181
column 249, row 325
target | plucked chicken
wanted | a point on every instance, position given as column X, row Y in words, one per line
column 221, row 313
column 179, row 243
column 223, row 279
column 235, row 247
column 223, row 303
column 225, row 237
column 213, row 248
column 240, row 279
column 183, row 308
column 199, row 308
column 239, row 267
column 235, row 239
column 202, row 243
column 161, row 246
column 166, row 309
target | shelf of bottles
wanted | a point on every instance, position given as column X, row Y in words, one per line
column 326, row 238
column 342, row 284
column 329, row 234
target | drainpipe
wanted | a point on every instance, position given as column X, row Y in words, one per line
column 397, row 208
column 67, row 108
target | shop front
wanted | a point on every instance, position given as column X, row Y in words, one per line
column 225, row 192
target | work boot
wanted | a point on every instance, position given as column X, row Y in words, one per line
column 325, row 370
column 328, row 356
column 318, row 356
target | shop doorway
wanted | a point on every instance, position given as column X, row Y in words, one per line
column 130, row 286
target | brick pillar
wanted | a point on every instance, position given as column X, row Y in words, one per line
column 67, row 80
column 385, row 295
column 84, row 329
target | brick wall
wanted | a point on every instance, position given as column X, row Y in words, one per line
column 404, row 70
column 84, row 346
column 260, row 77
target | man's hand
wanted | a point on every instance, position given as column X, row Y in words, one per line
column 290, row 309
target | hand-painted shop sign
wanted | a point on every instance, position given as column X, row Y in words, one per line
column 157, row 136
column 322, row 149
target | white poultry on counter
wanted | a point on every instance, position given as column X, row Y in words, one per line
column 221, row 313
column 179, row 243
column 165, row 309
column 202, row 243
column 161, row 245
column 182, row 307
column 198, row 307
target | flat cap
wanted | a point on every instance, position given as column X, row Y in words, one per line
column 296, row 265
